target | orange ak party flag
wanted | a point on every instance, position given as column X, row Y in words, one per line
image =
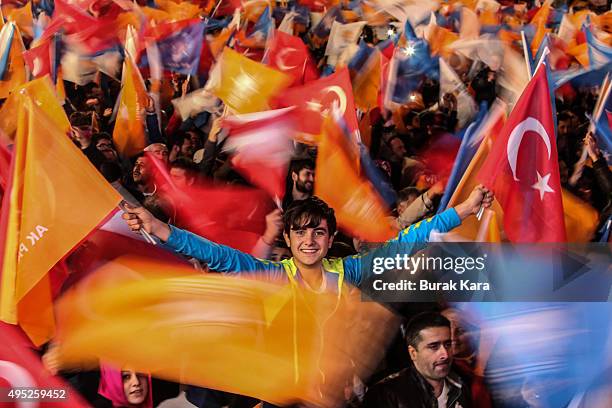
column 15, row 74
column 129, row 131
column 55, row 197
column 358, row 208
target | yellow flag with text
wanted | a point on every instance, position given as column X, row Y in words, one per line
column 55, row 198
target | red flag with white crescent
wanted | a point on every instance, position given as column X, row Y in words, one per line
column 289, row 54
column 314, row 101
column 523, row 168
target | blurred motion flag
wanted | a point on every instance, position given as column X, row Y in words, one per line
column 202, row 208
column 343, row 36
column 359, row 209
column 21, row 367
column 40, row 220
column 12, row 65
column 367, row 81
column 245, row 85
column 324, row 27
column 43, row 92
column 195, row 102
column 470, row 26
column 129, row 131
column 581, row 219
column 289, row 54
column 22, row 17
column 603, row 120
column 523, row 171
column 599, row 52
column 305, row 345
column 261, row 144
column 451, row 83
column 539, row 20
column 410, row 65
column 41, row 59
column 480, row 139
column 179, row 43
column 314, row 101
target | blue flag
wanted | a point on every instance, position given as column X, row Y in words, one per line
column 470, row 142
column 180, row 52
column 264, row 25
column 410, row 66
column 323, row 29
column 599, row 53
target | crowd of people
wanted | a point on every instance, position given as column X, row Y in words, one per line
column 434, row 360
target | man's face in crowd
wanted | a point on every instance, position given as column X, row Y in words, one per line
column 180, row 177
column 563, row 128
column 309, row 245
column 187, row 148
column 304, row 180
column 464, row 336
column 105, row 146
column 398, row 148
column 432, row 357
column 160, row 152
column 141, row 173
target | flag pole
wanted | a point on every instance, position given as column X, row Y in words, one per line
column 526, row 53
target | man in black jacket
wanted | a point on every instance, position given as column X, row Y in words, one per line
column 428, row 382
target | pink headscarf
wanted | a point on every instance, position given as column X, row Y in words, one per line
column 111, row 387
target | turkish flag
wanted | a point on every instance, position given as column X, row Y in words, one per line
column 315, row 99
column 22, row 368
column 523, row 170
column 262, row 147
column 289, row 54
column 40, row 58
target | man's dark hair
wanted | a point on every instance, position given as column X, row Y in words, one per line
column 308, row 213
column 96, row 137
column 301, row 164
column 564, row 116
column 423, row 321
column 185, row 164
column 405, row 193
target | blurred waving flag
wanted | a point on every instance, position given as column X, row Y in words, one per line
column 523, row 169
column 244, row 85
column 314, row 101
column 599, row 53
column 261, row 145
column 179, row 44
column 39, row 218
column 359, row 208
column 603, row 120
column 12, row 64
column 410, row 65
column 129, row 130
column 324, row 27
column 42, row 59
column 367, row 81
column 290, row 55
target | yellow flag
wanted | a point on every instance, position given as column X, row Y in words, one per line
column 366, row 84
column 16, row 73
column 55, row 199
column 129, row 131
column 22, row 16
column 244, row 85
column 539, row 21
column 358, row 207
column 269, row 340
column 41, row 91
column 580, row 218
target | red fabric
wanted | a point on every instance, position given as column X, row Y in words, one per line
column 40, row 59
column 530, row 194
column 21, row 367
column 289, row 54
column 315, row 99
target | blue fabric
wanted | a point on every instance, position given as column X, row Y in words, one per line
column 224, row 259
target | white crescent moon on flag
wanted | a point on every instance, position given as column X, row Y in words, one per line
column 341, row 96
column 516, row 137
column 17, row 377
column 280, row 59
column 37, row 66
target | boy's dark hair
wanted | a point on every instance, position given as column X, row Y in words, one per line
column 185, row 164
column 299, row 165
column 423, row 321
column 405, row 193
column 308, row 213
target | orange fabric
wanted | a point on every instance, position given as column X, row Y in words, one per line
column 129, row 131
column 15, row 74
column 56, row 198
column 358, row 208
